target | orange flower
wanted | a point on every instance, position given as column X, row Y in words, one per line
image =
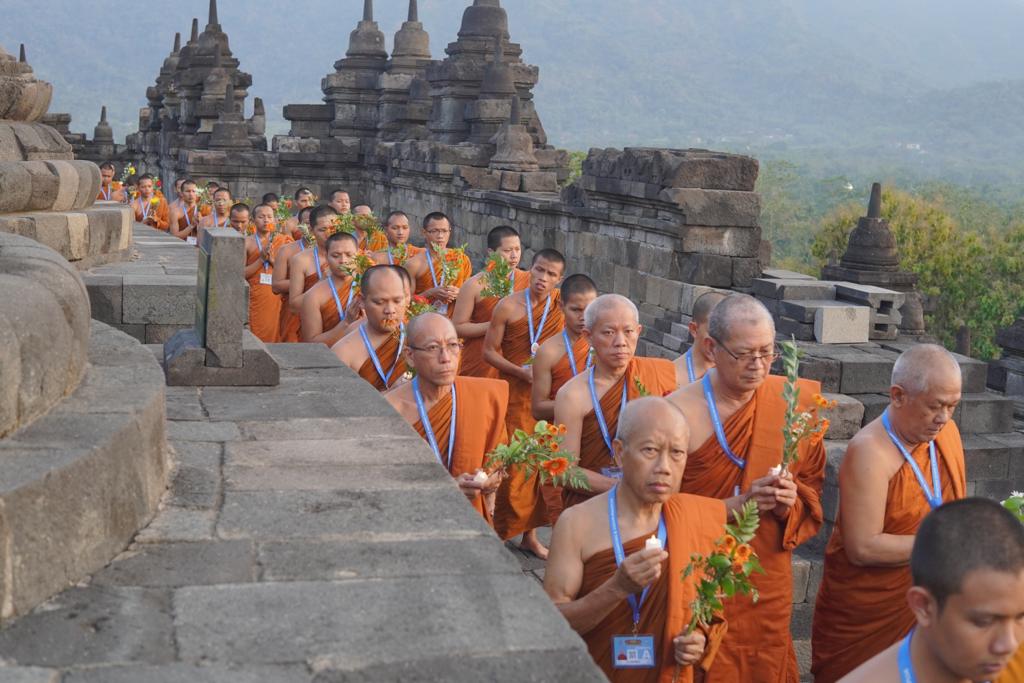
column 562, row 430
column 556, row 466
column 490, row 266
column 553, row 430
column 737, row 566
column 420, row 299
column 554, row 447
column 288, row 203
column 727, row 544
column 451, row 256
column 743, row 553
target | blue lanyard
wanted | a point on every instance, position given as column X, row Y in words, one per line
column 302, row 245
column 906, row 666
column 689, row 365
column 391, row 261
column 430, row 265
column 535, row 334
column 428, row 428
column 266, row 264
column 933, row 493
column 216, row 222
column 572, row 358
column 709, row 398
column 599, row 414
column 106, row 192
column 337, row 299
column 144, row 206
column 376, row 359
column 620, row 554
column 319, row 273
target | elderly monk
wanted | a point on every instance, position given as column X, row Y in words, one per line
column 521, row 323
column 329, row 307
column 239, row 218
column 375, row 349
column 427, row 268
column 473, row 311
column 307, row 267
column 185, row 218
column 461, row 418
column 289, row 327
column 260, row 250
column 692, row 365
column 967, row 599
column 398, row 249
column 736, row 413
column 896, row 469
column 563, row 356
column 110, row 189
column 608, row 585
column 220, row 217
column 150, row 208
column 590, row 403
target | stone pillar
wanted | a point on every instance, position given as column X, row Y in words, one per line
column 1007, row 373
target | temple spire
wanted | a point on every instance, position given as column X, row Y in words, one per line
column 875, row 204
column 177, row 43
column 414, row 14
column 21, row 54
column 195, row 31
column 367, row 10
column 213, row 13
column 103, row 114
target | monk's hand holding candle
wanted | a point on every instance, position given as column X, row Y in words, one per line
column 639, row 570
column 689, row 649
column 785, row 494
column 765, row 492
column 469, row 486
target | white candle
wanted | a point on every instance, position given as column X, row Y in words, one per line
column 480, row 477
column 775, row 471
column 652, row 543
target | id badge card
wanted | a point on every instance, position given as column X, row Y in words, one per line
column 633, row 652
column 191, row 240
column 266, row 279
column 441, row 308
column 613, row 472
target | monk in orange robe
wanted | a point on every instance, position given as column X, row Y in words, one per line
column 692, row 365
column 521, row 323
column 260, row 250
column 330, row 307
column 590, row 585
column 565, row 355
column 375, row 349
column 240, row 218
column 220, row 217
column 476, row 407
column 612, row 328
column 308, row 267
column 473, row 311
column 397, row 251
column 110, row 189
column 749, row 405
column 150, row 208
column 185, row 217
column 860, row 609
column 428, row 268
column 289, row 325
column 967, row 598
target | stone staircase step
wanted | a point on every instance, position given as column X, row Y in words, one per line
column 984, row 413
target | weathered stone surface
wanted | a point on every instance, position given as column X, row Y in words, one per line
column 715, row 207
column 842, row 325
column 186, row 363
column 812, row 290
column 161, row 299
column 181, row 564
column 572, row 667
column 876, row 297
column 28, row 674
column 188, row 673
column 222, row 254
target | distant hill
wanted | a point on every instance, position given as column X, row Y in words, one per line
column 935, row 86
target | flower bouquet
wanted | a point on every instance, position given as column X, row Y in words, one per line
column 343, row 223
column 540, row 451
column 418, row 306
column 400, row 254
column 126, row 173
column 283, row 212
column 359, row 264
column 497, row 277
column 799, row 425
column 1015, row 504
column 451, row 262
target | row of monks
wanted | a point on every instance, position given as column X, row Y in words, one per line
column 668, row 449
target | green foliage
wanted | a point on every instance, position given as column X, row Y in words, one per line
column 575, row 167
column 540, row 451
column 1015, row 504
column 497, row 277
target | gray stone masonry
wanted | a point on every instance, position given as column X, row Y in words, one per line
column 317, row 541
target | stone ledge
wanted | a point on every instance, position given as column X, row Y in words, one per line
column 87, row 238
column 79, row 482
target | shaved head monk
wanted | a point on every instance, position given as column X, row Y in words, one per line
column 589, row 404
column 308, row 267
column 110, row 189
column 340, row 200
column 271, row 200
column 736, row 414
column 375, row 349
column 149, row 207
column 261, row 249
column 185, row 217
column 239, row 218
column 398, row 249
column 220, row 217
column 473, row 311
column 618, row 594
column 565, row 355
column 304, row 198
column 692, row 365
column 461, row 418
column 896, row 469
column 521, row 323
column 289, row 327
column 967, row 599
column 426, row 268
column 329, row 307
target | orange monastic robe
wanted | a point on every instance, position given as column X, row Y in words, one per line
column 1014, row 672
column 387, row 353
column 160, row 212
column 264, row 305
column 290, row 325
column 519, row 506
column 377, row 241
column 426, row 281
column 860, row 611
column 190, row 218
column 561, row 372
column 759, row 648
column 329, row 313
column 473, row 363
column 659, row 378
column 108, row 193
column 479, row 425
column 692, row 525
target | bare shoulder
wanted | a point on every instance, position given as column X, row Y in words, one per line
column 869, row 448
column 882, row 668
column 550, row 352
column 688, row 396
column 572, row 394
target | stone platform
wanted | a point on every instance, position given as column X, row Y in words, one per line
column 308, row 536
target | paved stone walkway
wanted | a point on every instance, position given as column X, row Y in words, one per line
column 308, row 536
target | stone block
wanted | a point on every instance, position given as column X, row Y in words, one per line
column 786, row 328
column 702, row 269
column 864, row 373
column 186, row 363
column 744, row 270
column 45, row 186
column 181, row 564
column 847, row 417
column 221, row 299
column 159, row 299
column 842, row 325
column 814, row 290
column 804, row 310
column 986, row 458
column 878, row 298
column 29, row 674
column 984, row 413
column 715, row 207
column 510, row 181
column 724, row 241
column 874, row 405
column 824, row 370
column 539, row 181
column 15, row 187
column 801, row 571
column 710, row 171
column 782, row 274
column 189, row 673
column 88, row 184
column 67, row 185
column 800, row 622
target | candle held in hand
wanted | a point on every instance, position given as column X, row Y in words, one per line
column 480, row 477
column 652, row 543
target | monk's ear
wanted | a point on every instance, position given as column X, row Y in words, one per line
column 924, row 605
column 709, row 347
column 897, row 395
column 693, row 327
column 618, row 448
